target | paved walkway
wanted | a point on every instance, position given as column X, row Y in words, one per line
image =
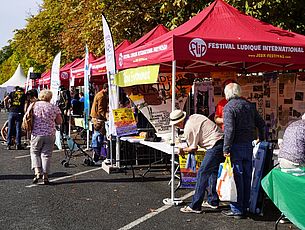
column 83, row 197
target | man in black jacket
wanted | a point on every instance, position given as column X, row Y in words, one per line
column 16, row 102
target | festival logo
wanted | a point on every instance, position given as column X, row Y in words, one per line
column 197, row 47
column 64, row 75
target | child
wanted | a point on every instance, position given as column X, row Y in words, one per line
column 97, row 142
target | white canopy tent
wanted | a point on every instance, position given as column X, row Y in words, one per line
column 18, row 79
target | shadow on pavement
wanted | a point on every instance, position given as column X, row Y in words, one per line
column 29, row 176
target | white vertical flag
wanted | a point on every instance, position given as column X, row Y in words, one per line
column 54, row 87
column 29, row 80
column 86, row 89
column 55, row 80
column 111, row 70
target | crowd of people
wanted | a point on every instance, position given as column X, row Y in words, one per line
column 235, row 125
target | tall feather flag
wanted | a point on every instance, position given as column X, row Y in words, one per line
column 55, row 80
column 54, row 87
column 111, row 70
column 86, row 89
column 29, row 84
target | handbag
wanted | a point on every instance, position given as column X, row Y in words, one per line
column 226, row 187
column 27, row 121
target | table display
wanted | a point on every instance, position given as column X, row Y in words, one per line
column 286, row 190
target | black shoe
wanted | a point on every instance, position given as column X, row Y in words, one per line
column 46, row 181
column 19, row 147
column 229, row 213
column 8, row 147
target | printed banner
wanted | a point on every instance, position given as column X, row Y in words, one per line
column 109, row 48
column 137, row 76
column 55, row 80
column 155, row 100
column 124, row 121
column 86, row 89
column 111, row 70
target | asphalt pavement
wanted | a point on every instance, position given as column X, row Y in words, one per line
column 86, row 197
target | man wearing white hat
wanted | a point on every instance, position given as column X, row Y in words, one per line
column 201, row 131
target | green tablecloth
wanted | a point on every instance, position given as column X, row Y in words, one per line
column 288, row 193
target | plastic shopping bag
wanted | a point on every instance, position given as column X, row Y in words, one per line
column 226, row 187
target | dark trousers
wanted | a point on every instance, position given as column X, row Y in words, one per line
column 207, row 176
column 241, row 158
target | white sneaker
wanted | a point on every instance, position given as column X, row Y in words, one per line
column 284, row 220
column 205, row 204
column 97, row 163
column 107, row 161
column 188, row 209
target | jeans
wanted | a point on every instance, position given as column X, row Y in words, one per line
column 207, row 176
column 241, row 158
column 14, row 123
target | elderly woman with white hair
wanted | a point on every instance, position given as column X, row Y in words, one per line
column 45, row 116
column 240, row 121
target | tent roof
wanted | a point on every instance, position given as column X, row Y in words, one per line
column 77, row 70
column 18, row 78
column 151, row 35
column 64, row 73
column 99, row 65
column 220, row 38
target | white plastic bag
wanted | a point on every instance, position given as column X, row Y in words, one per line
column 226, row 187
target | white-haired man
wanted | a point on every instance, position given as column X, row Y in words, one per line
column 240, row 121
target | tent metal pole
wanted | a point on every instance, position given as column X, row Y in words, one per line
column 172, row 200
column 173, row 132
column 118, row 162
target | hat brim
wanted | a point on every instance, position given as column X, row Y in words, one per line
column 179, row 120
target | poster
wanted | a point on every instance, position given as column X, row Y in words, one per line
column 155, row 100
column 124, row 122
column 219, row 79
column 204, row 98
column 299, row 96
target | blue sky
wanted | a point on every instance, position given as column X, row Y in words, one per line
column 12, row 16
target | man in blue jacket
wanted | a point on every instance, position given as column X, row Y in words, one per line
column 240, row 122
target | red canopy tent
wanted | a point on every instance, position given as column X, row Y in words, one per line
column 151, row 35
column 99, row 65
column 44, row 79
column 77, row 70
column 220, row 38
column 64, row 74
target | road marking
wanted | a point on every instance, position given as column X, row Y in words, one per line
column 24, row 156
column 150, row 215
column 66, row 177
